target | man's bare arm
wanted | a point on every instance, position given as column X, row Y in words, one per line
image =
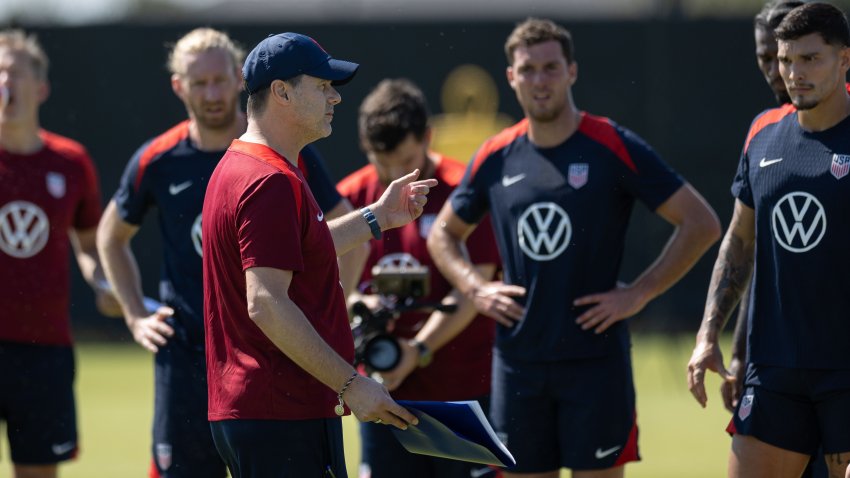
column 729, row 280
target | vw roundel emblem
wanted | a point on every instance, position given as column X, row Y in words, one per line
column 798, row 221
column 544, row 231
column 24, row 229
column 197, row 236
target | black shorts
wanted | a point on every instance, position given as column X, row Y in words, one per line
column 37, row 402
column 796, row 409
column 382, row 456
column 281, row 448
column 577, row 414
column 182, row 442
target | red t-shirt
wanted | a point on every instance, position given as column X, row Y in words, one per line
column 259, row 212
column 42, row 196
column 460, row 370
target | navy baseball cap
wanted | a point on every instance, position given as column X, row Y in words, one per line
column 287, row 55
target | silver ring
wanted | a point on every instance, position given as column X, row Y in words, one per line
column 378, row 421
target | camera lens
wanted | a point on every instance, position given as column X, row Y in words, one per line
column 382, row 353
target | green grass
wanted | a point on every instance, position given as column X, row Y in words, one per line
column 677, row 437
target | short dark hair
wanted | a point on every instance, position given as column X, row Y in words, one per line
column 257, row 100
column 533, row 31
column 822, row 18
column 392, row 111
column 772, row 14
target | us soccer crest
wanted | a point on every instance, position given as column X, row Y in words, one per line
column 746, row 404
column 163, row 455
column 840, row 165
column 56, row 184
column 578, row 174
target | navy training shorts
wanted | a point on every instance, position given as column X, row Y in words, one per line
column 795, row 409
column 37, row 402
column 281, row 448
column 578, row 414
column 182, row 442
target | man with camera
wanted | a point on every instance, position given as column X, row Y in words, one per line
column 442, row 353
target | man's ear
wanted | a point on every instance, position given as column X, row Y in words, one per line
column 177, row 86
column 280, row 91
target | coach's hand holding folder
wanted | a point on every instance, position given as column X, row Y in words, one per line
column 455, row 430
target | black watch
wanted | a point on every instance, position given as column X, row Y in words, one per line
column 425, row 355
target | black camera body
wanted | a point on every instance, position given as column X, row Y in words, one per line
column 399, row 287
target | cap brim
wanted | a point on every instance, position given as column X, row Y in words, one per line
column 339, row 72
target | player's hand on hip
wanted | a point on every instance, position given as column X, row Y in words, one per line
column 706, row 356
column 496, row 300
column 403, row 201
column 369, row 401
column 731, row 390
column 608, row 308
column 153, row 331
column 392, row 379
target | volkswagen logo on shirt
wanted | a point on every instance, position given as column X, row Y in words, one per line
column 799, row 221
column 544, row 231
column 24, row 229
column 196, row 236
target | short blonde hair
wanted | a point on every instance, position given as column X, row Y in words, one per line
column 20, row 42
column 201, row 40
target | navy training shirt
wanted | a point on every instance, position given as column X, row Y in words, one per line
column 560, row 216
column 796, row 182
column 171, row 174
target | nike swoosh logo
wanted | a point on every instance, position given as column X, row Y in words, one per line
column 600, row 453
column 62, row 448
column 320, row 216
column 479, row 472
column 176, row 189
column 509, row 180
column 767, row 162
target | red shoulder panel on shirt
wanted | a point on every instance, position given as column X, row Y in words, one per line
column 60, row 143
column 497, row 142
column 769, row 117
column 450, row 170
column 273, row 159
column 160, row 144
column 602, row 131
column 357, row 181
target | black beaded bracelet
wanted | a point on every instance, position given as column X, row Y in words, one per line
column 372, row 221
column 340, row 408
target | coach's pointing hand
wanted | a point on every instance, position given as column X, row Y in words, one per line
column 403, row 200
column 369, row 401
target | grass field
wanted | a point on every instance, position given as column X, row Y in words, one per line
column 677, row 437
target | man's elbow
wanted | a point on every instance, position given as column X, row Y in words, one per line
column 706, row 227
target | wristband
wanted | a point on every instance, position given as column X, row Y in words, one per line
column 340, row 409
column 425, row 354
column 372, row 221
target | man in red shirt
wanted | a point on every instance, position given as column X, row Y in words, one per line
column 278, row 343
column 48, row 195
column 445, row 356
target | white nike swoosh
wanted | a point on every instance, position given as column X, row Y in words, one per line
column 62, row 448
column 479, row 472
column 509, row 180
column 767, row 162
column 320, row 216
column 176, row 189
column 600, row 453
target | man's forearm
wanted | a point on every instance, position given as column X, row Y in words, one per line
column 287, row 327
column 729, row 280
column 739, row 337
column 122, row 272
column 449, row 254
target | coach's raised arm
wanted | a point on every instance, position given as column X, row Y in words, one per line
column 279, row 347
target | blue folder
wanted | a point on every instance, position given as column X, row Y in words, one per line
column 454, row 430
